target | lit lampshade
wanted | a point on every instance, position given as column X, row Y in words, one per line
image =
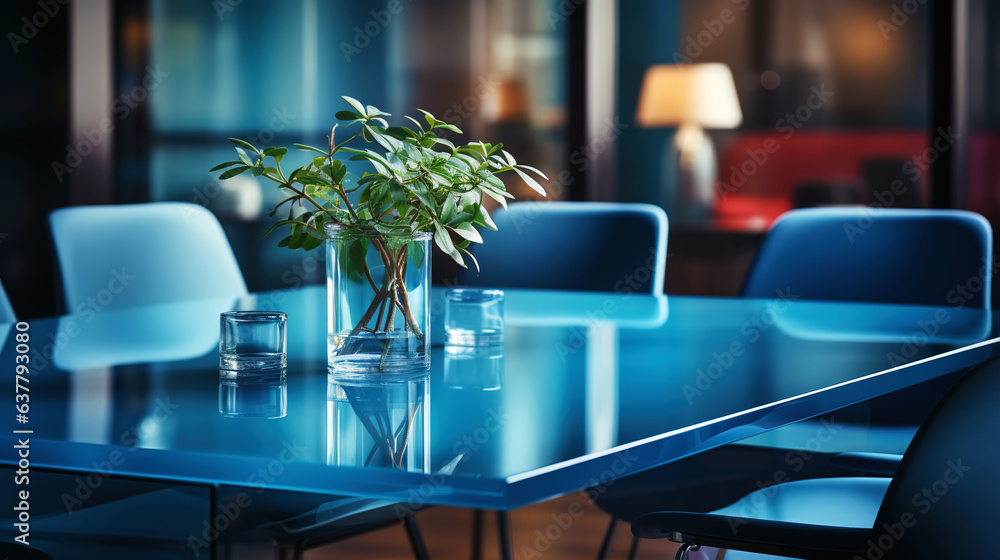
column 699, row 94
column 691, row 97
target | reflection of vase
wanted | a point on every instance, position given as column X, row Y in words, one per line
column 378, row 287
column 475, row 368
column 379, row 422
column 257, row 395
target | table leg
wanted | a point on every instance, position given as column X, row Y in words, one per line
column 477, row 535
column 506, row 544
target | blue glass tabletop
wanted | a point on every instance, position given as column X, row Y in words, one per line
column 586, row 386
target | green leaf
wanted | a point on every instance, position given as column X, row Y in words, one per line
column 356, row 104
column 276, row 153
column 284, row 242
column 448, row 210
column 305, row 147
column 533, row 170
column 415, row 250
column 348, row 116
column 337, row 172
column 244, row 144
column 224, row 165
column 312, row 178
column 257, row 170
column 431, row 121
column 470, row 233
column 450, row 127
column 278, row 224
column 443, row 241
column 297, row 240
column 530, row 182
column 311, row 242
column 417, row 123
column 244, row 157
column 234, row 172
column 492, row 194
column 483, row 218
column 424, row 198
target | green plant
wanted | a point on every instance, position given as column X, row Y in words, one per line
column 420, row 183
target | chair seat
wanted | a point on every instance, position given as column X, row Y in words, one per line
column 843, row 502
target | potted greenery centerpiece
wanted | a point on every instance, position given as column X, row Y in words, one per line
column 378, row 226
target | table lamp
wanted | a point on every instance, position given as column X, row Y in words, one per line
column 691, row 97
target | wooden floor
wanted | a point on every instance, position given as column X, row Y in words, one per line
column 447, row 532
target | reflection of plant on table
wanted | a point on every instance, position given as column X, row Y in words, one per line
column 419, row 183
column 390, row 436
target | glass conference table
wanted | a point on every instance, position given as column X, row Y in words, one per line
column 126, row 407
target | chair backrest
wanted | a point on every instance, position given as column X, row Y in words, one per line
column 141, row 254
column 6, row 310
column 587, row 246
column 905, row 256
column 943, row 499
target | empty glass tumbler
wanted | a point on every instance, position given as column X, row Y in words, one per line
column 252, row 341
column 473, row 317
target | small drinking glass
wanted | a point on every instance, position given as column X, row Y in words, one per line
column 252, row 341
column 473, row 317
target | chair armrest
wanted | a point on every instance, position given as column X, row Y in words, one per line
column 878, row 463
column 780, row 538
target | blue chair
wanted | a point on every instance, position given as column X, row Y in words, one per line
column 941, row 502
column 583, row 246
column 877, row 255
column 113, row 257
column 858, row 254
column 7, row 314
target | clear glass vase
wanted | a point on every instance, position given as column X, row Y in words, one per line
column 378, row 294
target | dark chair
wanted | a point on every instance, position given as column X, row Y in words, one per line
column 584, row 246
column 940, row 504
column 857, row 254
column 876, row 255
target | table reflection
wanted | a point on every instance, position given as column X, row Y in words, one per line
column 253, row 395
column 474, row 368
column 379, row 421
